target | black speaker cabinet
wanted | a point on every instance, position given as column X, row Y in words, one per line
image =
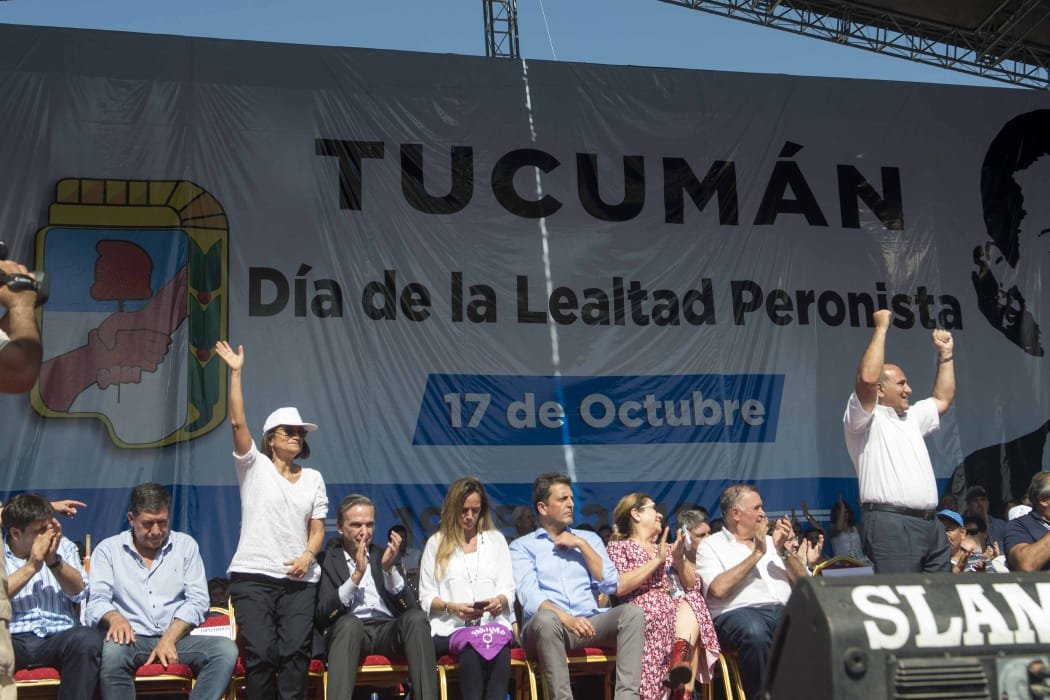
column 912, row 636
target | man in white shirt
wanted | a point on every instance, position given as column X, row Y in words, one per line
column 364, row 606
column 747, row 577
column 885, row 439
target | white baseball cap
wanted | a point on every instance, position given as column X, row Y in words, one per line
column 1018, row 511
column 287, row 415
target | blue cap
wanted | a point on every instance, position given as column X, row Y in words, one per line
column 951, row 515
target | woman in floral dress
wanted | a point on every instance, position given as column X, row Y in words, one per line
column 641, row 553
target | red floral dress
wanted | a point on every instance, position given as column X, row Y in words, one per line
column 707, row 638
column 655, row 600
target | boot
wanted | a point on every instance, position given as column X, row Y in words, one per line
column 679, row 670
column 679, row 693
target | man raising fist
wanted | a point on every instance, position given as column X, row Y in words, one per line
column 885, row 439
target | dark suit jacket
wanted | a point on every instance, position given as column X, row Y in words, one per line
column 334, row 572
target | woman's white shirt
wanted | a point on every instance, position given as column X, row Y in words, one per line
column 467, row 578
column 275, row 516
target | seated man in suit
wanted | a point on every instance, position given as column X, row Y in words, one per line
column 148, row 591
column 364, row 606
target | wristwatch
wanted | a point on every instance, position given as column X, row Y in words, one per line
column 57, row 563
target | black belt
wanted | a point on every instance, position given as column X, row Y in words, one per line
column 899, row 510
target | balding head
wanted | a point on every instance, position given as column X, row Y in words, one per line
column 894, row 389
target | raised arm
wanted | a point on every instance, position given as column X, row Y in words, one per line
column 242, row 437
column 794, row 562
column 726, row 583
column 944, row 383
column 20, row 357
column 630, row 579
column 870, row 371
column 43, row 552
column 685, row 567
column 591, row 559
column 813, row 523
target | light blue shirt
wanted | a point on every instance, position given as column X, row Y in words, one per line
column 545, row 572
column 41, row 607
column 149, row 598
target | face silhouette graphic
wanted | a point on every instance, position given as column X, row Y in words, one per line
column 1009, row 267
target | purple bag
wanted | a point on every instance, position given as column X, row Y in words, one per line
column 487, row 640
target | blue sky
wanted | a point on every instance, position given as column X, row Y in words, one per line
column 633, row 32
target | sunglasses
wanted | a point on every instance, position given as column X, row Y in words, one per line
column 972, row 532
column 287, row 432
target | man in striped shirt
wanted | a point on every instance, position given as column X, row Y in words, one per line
column 45, row 579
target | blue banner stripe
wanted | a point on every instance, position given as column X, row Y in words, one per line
column 477, row 409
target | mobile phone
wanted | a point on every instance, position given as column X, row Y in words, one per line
column 479, row 604
column 684, row 534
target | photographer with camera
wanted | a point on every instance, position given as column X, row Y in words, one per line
column 20, row 349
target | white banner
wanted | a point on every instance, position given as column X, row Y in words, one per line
column 655, row 279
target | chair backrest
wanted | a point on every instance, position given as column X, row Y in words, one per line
column 842, row 565
column 217, row 623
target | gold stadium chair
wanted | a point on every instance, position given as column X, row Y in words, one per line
column 382, row 671
column 176, row 679
column 155, row 679
column 41, row 682
column 587, row 661
column 727, row 674
column 522, row 678
column 841, row 562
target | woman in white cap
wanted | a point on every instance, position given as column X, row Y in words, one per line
column 274, row 572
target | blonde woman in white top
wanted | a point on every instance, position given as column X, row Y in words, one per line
column 274, row 572
column 465, row 579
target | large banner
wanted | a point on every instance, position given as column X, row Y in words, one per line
column 655, row 280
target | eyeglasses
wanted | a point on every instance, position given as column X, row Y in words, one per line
column 286, row 432
column 647, row 505
column 974, row 531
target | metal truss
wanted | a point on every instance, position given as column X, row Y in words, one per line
column 501, row 28
column 996, row 49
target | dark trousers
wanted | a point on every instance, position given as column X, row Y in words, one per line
column 350, row 639
column 275, row 617
column 897, row 543
column 750, row 631
column 479, row 679
column 75, row 652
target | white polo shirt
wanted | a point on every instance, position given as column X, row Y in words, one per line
column 766, row 584
column 889, row 453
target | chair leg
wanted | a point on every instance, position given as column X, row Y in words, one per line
column 723, row 671
column 442, row 683
column 533, row 691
